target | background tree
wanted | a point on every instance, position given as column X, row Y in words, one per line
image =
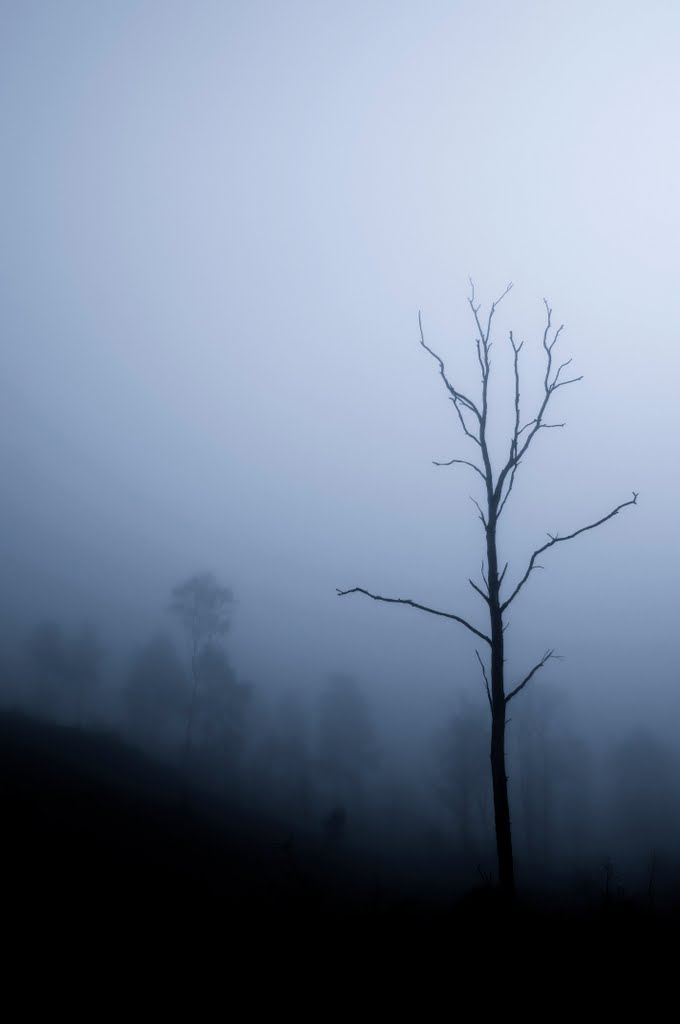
column 347, row 741
column 282, row 763
column 473, row 418
column 642, row 774
column 47, row 648
column 203, row 608
column 220, row 709
column 155, row 697
column 548, row 787
column 460, row 781
column 85, row 667
column 65, row 669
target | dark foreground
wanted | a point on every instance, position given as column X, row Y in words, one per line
column 104, row 849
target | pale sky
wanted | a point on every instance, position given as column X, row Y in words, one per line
column 219, row 222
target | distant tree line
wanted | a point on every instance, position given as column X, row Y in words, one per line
column 319, row 760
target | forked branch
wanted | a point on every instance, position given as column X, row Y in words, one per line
column 522, row 436
column 483, row 344
column 460, row 401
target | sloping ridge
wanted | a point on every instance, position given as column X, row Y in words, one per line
column 93, row 826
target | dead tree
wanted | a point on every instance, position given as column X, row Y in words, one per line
column 473, row 417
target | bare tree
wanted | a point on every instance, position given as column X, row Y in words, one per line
column 473, row 418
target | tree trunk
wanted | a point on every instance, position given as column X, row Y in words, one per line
column 506, row 870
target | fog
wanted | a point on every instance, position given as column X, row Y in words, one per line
column 220, row 222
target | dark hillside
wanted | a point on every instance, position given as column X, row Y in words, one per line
column 101, row 841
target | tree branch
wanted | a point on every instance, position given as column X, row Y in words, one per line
column 551, row 383
column 546, row 657
column 483, row 349
column 456, row 396
column 479, row 509
column 484, row 335
column 558, row 540
column 514, row 442
column 466, row 429
column 479, row 590
column 420, row 607
column 461, row 462
column 486, row 681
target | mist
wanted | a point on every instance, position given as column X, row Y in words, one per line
column 220, row 223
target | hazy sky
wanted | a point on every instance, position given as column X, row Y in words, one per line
column 219, row 222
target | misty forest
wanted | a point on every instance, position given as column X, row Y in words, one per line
column 338, row 572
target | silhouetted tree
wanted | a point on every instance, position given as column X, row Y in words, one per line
column 203, row 608
column 473, row 419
